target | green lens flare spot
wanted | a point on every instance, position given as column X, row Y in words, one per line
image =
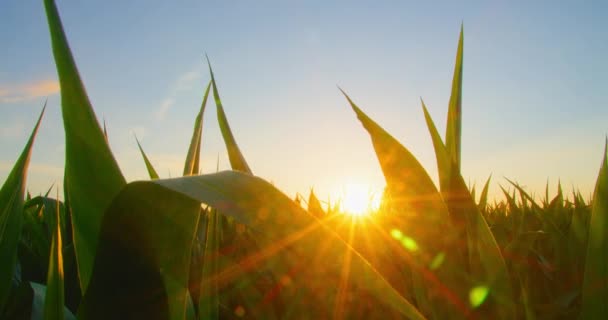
column 437, row 261
column 395, row 233
column 478, row 295
column 409, row 243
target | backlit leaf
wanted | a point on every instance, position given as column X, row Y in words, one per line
column 11, row 215
column 92, row 176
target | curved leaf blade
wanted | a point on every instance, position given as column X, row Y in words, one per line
column 275, row 217
column 143, row 258
column 92, row 176
column 54, row 300
column 483, row 198
column 237, row 160
column 151, row 171
column 11, row 214
column 419, row 203
column 193, row 158
column 595, row 282
column 487, row 263
column 454, row 121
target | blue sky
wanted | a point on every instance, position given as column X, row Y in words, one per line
column 534, row 99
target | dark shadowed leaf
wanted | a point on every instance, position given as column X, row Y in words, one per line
column 143, row 258
column 595, row 284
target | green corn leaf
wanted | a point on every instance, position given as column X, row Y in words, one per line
column 143, row 258
column 209, row 299
column 237, row 161
column 524, row 195
column 595, row 283
column 149, row 167
column 454, row 122
column 419, row 203
column 487, row 261
column 54, row 298
column 92, row 176
column 105, row 132
column 11, row 214
column 400, row 166
column 135, row 287
column 483, row 198
column 194, row 151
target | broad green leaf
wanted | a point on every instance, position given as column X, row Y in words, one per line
column 143, row 258
column 192, row 160
column 149, row 167
column 487, row 262
column 92, row 175
column 237, row 161
column 11, row 215
column 595, row 283
column 454, row 122
column 54, row 298
column 281, row 223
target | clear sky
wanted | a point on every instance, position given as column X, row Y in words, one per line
column 535, row 97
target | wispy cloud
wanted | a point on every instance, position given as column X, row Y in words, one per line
column 184, row 82
column 161, row 112
column 28, row 91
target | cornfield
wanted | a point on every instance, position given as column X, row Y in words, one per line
column 230, row 245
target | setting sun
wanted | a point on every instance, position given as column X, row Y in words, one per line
column 358, row 199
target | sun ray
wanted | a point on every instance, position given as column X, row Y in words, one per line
column 358, row 199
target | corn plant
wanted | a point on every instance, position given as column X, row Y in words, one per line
column 230, row 245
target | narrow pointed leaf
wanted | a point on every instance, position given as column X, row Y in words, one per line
column 237, row 161
column 419, row 203
column 193, row 158
column 314, row 205
column 483, row 198
column 208, row 304
column 54, row 298
column 595, row 283
column 92, row 175
column 11, row 215
column 454, row 122
column 105, row 132
column 149, row 167
column 487, row 261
